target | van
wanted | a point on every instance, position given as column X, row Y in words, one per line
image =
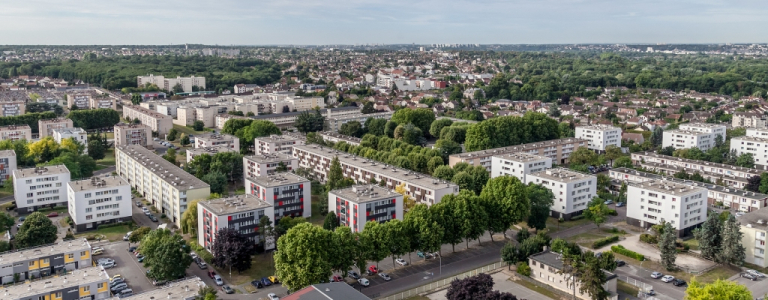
column 127, row 236
column 125, row 293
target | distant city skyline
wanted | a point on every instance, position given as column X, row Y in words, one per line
column 311, row 22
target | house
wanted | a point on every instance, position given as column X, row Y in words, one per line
column 635, row 137
column 546, row 267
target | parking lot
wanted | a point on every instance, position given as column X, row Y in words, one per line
column 127, row 266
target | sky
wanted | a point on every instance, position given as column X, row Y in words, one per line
column 314, row 22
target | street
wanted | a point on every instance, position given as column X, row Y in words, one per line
column 663, row 290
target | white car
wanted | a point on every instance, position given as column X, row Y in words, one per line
column 667, row 278
column 385, row 276
column 272, row 296
column 364, row 282
column 145, row 210
column 401, row 262
column 756, row 273
column 656, row 275
column 218, row 280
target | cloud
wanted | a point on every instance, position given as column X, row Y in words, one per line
column 378, row 21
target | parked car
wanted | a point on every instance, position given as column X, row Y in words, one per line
column 420, row 254
column 132, row 249
column 364, row 282
column 109, row 265
column 53, row 214
column 257, row 284
column 352, row 274
column 755, row 273
column 125, row 293
column 620, row 204
column 158, row 283
column 119, row 287
column 651, row 292
column 218, row 280
column 102, row 261
column 401, row 262
column 141, row 259
column 372, row 270
column 97, row 252
column 265, row 281
column 385, row 276
column 211, row 274
column 116, row 277
column 21, row 219
column 152, row 217
column 749, row 276
column 127, row 236
column 146, row 211
column 678, row 282
column 227, row 289
column 667, row 278
column 608, row 202
column 202, row 265
column 273, row 279
column 272, row 296
column 116, row 282
column 620, row 263
column 336, row 278
column 138, row 203
column 656, row 275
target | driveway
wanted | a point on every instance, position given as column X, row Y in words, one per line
column 127, row 266
column 502, row 284
column 758, row 287
column 665, row 291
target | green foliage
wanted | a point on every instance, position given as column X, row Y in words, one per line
column 422, row 118
column 352, row 128
column 523, row 269
column 304, row 257
column 310, row 121
column 649, row 238
column 720, row 289
column 217, row 181
column 166, row 254
column 604, row 241
column 438, row 125
column 228, row 163
column 626, row 252
column 597, row 211
column 172, row 134
column 30, row 119
column 331, row 222
column 510, row 195
column 138, row 234
column 541, row 199
column 79, row 166
column 667, row 247
column 95, row 118
column 733, row 251
column 6, row 221
column 198, row 125
column 36, row 230
column 512, row 130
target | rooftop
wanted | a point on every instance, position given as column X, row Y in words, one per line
column 125, row 125
column 360, row 115
column 521, row 157
column 554, row 260
column 668, row 187
column 708, row 186
column 184, row 289
column 71, row 130
column 341, row 136
column 520, row 148
column 702, row 125
column 279, row 179
column 365, row 193
column 269, row 158
column 598, row 127
column 687, row 132
column 40, row 171
column 95, row 183
column 212, row 150
column 147, row 112
column 675, row 169
column 7, row 153
column 273, row 138
column 327, row 291
column 167, row 171
column 215, row 137
column 15, row 127
column 698, row 162
column 56, row 120
column 562, row 175
column 225, row 206
column 751, row 139
column 21, row 255
column 74, row 279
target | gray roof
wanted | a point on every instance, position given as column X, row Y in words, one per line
column 365, row 193
column 268, row 158
column 215, row 137
column 553, row 260
column 562, row 175
column 519, row 148
column 229, row 205
column 167, row 171
column 708, row 186
column 668, row 187
column 279, row 179
column 212, row 150
column 327, row 291
column 7, row 153
column 521, row 157
column 96, row 182
column 40, row 171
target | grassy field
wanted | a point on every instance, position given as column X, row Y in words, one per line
column 262, row 265
column 586, row 239
column 114, row 233
column 107, row 161
column 693, row 243
column 189, row 130
column 536, row 288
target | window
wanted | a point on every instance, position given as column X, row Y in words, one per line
column 87, row 288
column 70, row 255
column 118, row 198
column 32, row 263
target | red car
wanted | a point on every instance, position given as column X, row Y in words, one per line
column 373, row 270
column 211, row 274
column 53, row 214
column 336, row 278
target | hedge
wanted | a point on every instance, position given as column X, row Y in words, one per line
column 648, row 238
column 605, row 241
column 629, row 253
column 204, row 254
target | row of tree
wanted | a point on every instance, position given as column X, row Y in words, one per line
column 94, row 118
column 48, row 152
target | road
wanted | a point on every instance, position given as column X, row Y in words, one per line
column 665, row 291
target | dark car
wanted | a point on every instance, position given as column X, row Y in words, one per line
column 620, row 263
column 678, row 282
column 132, row 249
column 265, row 281
column 211, row 274
column 257, row 284
column 749, row 276
column 227, row 289
column 353, row 274
column 53, row 214
column 152, row 217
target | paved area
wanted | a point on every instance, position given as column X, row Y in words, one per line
column 759, row 287
column 686, row 262
column 502, row 284
column 127, row 266
column 665, row 291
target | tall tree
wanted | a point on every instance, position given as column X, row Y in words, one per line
column 429, row 233
column 733, row 251
column 597, row 211
column 479, row 287
column 231, row 249
column 592, row 278
column 310, row 121
column 612, row 152
column 303, row 257
column 166, row 253
column 36, row 230
column 344, row 247
column 376, row 233
column 667, row 248
column 189, row 218
column 709, row 236
column 541, row 199
column 745, row 160
column 657, row 136
column 331, row 222
column 6, row 221
column 138, row 234
column 583, row 156
column 510, row 193
column 447, row 211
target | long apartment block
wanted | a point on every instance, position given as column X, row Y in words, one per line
column 288, row 193
column 728, row 175
column 335, row 122
column 166, row 186
column 263, row 165
column 182, row 289
column 682, row 205
column 15, row 133
column 558, row 150
column 46, row 127
column 39, row 187
column 45, row 260
column 241, row 212
column 421, row 187
column 737, row 199
column 99, row 201
column 335, row 137
column 91, row 283
column 158, row 122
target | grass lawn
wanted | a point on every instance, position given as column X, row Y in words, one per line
column 4, row 205
column 63, row 222
column 626, row 288
column 553, row 225
column 107, row 161
column 262, row 265
column 693, row 243
column 189, row 130
column 58, row 209
column 316, row 218
column 114, row 233
column 536, row 288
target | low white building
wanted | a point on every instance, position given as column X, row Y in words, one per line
column 215, row 139
column 599, row 136
column 263, row 165
column 518, row 165
column 277, row 144
column 99, row 200
column 650, row 202
column 76, row 133
column 573, row 190
column 686, row 139
column 40, row 187
column 7, row 164
column 755, row 143
column 715, row 129
column 357, row 205
column 289, row 194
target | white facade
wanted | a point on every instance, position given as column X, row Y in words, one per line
column 650, row 202
column 685, row 139
column 287, row 193
column 7, row 164
column 573, row 190
column 599, row 136
column 39, row 187
column 357, row 205
column 705, row 127
column 215, row 140
column 757, row 146
column 241, row 213
column 277, row 144
column 263, row 165
column 309, row 103
column 99, row 200
column 168, row 83
column 518, row 165
column 76, row 133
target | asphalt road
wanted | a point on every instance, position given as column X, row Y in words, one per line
column 665, row 291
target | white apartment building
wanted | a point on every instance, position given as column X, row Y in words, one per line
column 599, row 136
column 194, row 152
column 133, row 134
column 423, row 188
column 7, row 164
column 216, row 139
column 46, row 127
column 277, row 144
column 518, row 165
column 757, row 132
column 306, row 103
column 728, row 175
column 15, row 133
column 166, row 186
column 241, row 213
column 716, row 129
column 158, row 122
column 572, row 190
column 335, row 122
column 754, row 226
column 749, row 120
column 650, row 202
column 685, row 139
column 76, row 133
column 288, row 194
column 39, row 187
column 168, row 83
column 755, row 143
column 265, row 164
column 13, row 108
column 99, row 200
column 357, row 205
column 558, row 150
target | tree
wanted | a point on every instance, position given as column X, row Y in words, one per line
column 478, row 287
column 36, row 230
column 657, row 136
column 612, row 152
column 447, row 148
column 170, row 155
column 368, row 108
column 667, row 248
column 753, row 183
column 623, row 162
column 352, row 128
column 44, row 150
column 94, row 118
column 189, row 218
column 265, row 229
column 207, row 291
column 509, row 254
column 178, row 88
column 541, row 199
column 720, row 289
column 408, row 201
column 303, row 257
column 198, row 125
column 73, row 107
column 331, row 222
column 444, row 172
column 166, row 253
column 410, row 134
column 428, row 232
column 422, row 118
column 136, row 99
column 438, row 125
column 554, row 110
column 510, row 193
column 96, row 149
column 6, row 221
column 375, row 126
column 583, row 156
column 597, row 211
column 733, row 251
column 709, row 236
column 184, row 140
column 281, row 167
column 592, row 278
column 310, row 122
column 745, row 160
column 138, row 234
column 344, row 247
column 232, row 249
column 172, row 134
column 217, row 181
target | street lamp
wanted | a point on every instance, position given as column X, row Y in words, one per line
column 441, row 262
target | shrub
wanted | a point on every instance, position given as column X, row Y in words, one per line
column 579, row 217
column 163, row 216
column 523, row 269
column 649, row 238
column 204, row 254
column 628, row 253
column 613, row 212
column 605, row 241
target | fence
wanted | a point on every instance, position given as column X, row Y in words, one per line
column 443, row 282
column 644, row 287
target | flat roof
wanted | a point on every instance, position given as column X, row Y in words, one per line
column 167, row 171
column 279, row 179
column 212, row 150
column 98, row 182
column 7, row 153
column 40, row 171
column 341, row 136
column 70, row 130
column 268, row 158
column 360, row 115
column 667, row 187
column 215, row 136
column 679, row 168
column 598, row 127
column 751, row 139
column 562, row 175
column 327, row 291
column 702, row 125
column 519, row 148
column 26, row 254
column 184, row 289
column 56, row 120
column 699, row 162
column 521, row 157
column 15, row 127
column 148, row 112
column 365, row 193
column 390, row 171
column 708, row 186
column 76, row 278
column 277, row 138
column 238, row 203
column 687, row 132
column 125, row 125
